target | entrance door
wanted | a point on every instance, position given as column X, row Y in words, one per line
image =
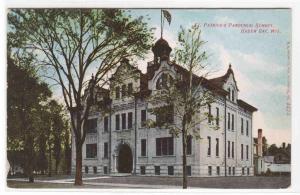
column 125, row 159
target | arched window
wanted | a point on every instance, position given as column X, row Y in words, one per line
column 164, row 81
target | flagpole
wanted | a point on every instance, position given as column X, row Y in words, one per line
column 161, row 26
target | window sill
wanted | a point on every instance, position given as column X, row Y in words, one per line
column 142, row 156
column 123, row 130
column 163, row 156
column 92, row 133
column 91, row 158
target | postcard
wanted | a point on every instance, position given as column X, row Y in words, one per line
column 149, row 98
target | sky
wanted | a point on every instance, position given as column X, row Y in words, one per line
column 259, row 58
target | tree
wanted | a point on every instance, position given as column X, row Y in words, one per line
column 67, row 149
column 73, row 42
column 58, row 127
column 187, row 96
column 25, row 95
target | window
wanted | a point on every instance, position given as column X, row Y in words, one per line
column 209, row 113
column 164, row 115
column 117, row 92
column 229, row 93
column 124, row 121
column 105, row 150
column 164, row 146
column 209, row 170
column 217, row 117
column 209, row 146
column 157, row 170
column 232, row 122
column 218, row 170
column 242, row 126
column 143, row 118
column 105, row 123
column 143, row 147
column 117, row 122
column 228, row 123
column 123, row 91
column 105, row 170
column 143, row 170
column 243, row 171
column 232, row 149
column 188, row 170
column 95, row 170
column 217, row 146
column 247, row 128
column 91, row 150
column 228, row 148
column 233, row 170
column 129, row 120
column 242, row 151
column 229, row 170
column 130, row 89
column 248, row 171
column 164, row 81
column 86, row 169
column 247, row 152
column 232, row 95
column 90, row 125
column 189, row 145
column 170, row 170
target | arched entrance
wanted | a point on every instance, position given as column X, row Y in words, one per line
column 124, row 159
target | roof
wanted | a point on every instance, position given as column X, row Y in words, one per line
column 246, row 106
column 219, row 81
column 200, row 80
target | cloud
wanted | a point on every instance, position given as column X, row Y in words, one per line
column 255, row 79
column 246, row 67
column 224, row 19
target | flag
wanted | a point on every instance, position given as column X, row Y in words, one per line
column 167, row 15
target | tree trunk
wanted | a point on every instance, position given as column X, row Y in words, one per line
column 29, row 157
column 78, row 175
column 184, row 176
column 50, row 163
column 56, row 166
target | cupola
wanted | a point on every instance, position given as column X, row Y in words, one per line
column 161, row 50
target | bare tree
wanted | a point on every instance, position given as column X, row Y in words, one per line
column 71, row 43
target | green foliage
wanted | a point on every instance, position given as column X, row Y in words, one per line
column 69, row 43
column 190, row 52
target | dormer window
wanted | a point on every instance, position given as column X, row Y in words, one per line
column 164, row 81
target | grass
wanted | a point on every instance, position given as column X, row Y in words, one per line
column 27, row 185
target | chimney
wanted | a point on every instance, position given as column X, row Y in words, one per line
column 283, row 145
column 259, row 142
